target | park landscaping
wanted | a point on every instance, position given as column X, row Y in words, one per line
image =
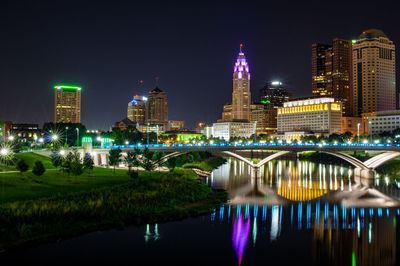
column 57, row 204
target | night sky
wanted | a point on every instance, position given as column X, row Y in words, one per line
column 107, row 47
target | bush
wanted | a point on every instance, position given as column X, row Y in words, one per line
column 38, row 168
column 133, row 174
column 22, row 166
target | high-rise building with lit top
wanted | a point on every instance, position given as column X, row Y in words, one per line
column 67, row 104
column 241, row 96
column 374, row 73
column 137, row 109
column 157, row 108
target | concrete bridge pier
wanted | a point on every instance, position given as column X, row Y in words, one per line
column 366, row 176
column 255, row 172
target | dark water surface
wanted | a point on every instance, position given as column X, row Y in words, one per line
column 291, row 213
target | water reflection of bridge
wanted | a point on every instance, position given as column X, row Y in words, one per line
column 341, row 235
column 352, row 223
column 287, row 181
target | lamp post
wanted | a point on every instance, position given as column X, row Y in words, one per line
column 157, row 133
column 369, row 131
column 66, row 135
column 358, row 133
column 147, row 132
column 77, row 137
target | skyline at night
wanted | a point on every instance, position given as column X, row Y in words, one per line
column 107, row 50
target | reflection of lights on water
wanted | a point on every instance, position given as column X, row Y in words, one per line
column 275, row 226
column 358, row 227
column 370, row 233
column 254, row 231
column 240, row 236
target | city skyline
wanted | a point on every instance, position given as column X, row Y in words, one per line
column 194, row 74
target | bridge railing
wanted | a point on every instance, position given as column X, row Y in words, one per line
column 250, row 145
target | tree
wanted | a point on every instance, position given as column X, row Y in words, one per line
column 132, row 159
column 38, row 168
column 114, row 157
column 66, row 163
column 22, row 166
column 148, row 161
column 171, row 163
column 88, row 162
column 56, row 159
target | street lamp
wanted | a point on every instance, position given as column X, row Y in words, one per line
column 66, row 135
column 157, row 133
column 3, row 151
column 147, row 131
column 369, row 131
column 54, row 137
column 77, row 137
column 358, row 133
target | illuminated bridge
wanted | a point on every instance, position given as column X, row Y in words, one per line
column 365, row 169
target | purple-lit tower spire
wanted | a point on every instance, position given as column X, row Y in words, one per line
column 241, row 96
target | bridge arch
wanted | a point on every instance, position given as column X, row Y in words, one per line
column 380, row 159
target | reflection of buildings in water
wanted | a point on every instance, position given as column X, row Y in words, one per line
column 365, row 236
column 302, row 181
column 240, row 236
column 369, row 241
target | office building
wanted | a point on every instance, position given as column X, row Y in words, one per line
column 264, row 114
column 67, row 104
column 241, row 96
column 332, row 72
column 318, row 116
column 384, row 121
column 374, row 73
column 176, row 125
column 137, row 110
column 229, row 130
column 157, row 108
column 352, row 124
column 273, row 94
column 239, row 109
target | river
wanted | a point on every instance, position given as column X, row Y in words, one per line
column 291, row 213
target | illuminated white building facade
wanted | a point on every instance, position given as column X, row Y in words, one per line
column 385, row 121
column 321, row 116
column 228, row 130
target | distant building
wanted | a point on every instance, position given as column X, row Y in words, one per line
column 67, row 104
column 332, row 72
column 352, row 124
column 226, row 113
column 239, row 109
column 124, row 124
column 273, row 94
column 26, row 132
column 175, row 125
column 385, row 121
column 374, row 73
column 137, row 109
column 159, row 129
column 321, row 116
column 228, row 130
column 157, row 108
column 183, row 136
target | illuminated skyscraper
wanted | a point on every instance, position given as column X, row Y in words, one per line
column 374, row 73
column 157, row 108
column 137, row 109
column 241, row 96
column 331, row 72
column 67, row 104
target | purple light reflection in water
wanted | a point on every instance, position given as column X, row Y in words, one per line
column 240, row 236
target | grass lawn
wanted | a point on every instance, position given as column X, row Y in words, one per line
column 206, row 165
column 17, row 186
column 146, row 199
column 30, row 158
